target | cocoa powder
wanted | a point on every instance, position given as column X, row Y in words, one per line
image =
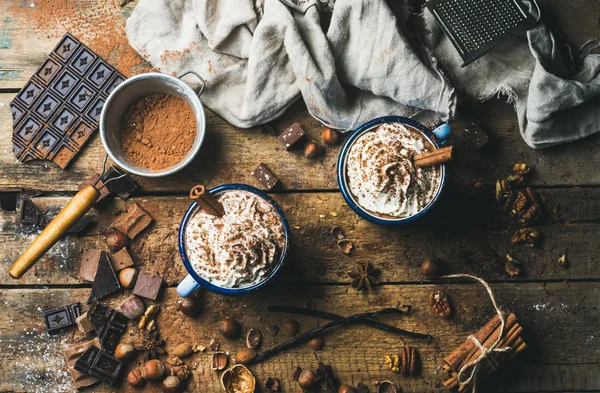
column 157, row 131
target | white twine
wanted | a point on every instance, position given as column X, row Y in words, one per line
column 486, row 353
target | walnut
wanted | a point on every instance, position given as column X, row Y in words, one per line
column 440, row 302
column 176, row 367
column 519, row 171
column 393, row 362
column 512, row 266
column 504, row 194
column 519, row 205
column 528, row 236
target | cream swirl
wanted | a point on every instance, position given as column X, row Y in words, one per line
column 382, row 176
column 240, row 248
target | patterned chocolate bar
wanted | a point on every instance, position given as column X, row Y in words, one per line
column 59, row 108
column 109, row 323
column 61, row 317
column 99, row 364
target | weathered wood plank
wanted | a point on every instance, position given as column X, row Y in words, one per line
column 472, row 235
column 549, row 314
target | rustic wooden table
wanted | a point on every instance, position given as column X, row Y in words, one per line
column 557, row 307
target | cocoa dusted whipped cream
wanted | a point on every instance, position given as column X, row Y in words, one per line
column 381, row 175
column 240, row 248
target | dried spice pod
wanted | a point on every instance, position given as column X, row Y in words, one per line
column 272, row 384
column 440, row 302
column 512, row 266
column 238, row 379
column 363, row 277
column 410, row 362
column 528, row 236
column 253, row 339
column 291, row 327
column 387, row 387
column 245, row 356
column 219, row 361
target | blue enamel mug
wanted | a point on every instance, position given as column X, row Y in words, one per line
column 193, row 282
column 437, row 138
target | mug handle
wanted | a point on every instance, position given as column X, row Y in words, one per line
column 443, row 133
column 202, row 81
column 187, row 287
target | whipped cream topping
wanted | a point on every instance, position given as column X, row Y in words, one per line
column 381, row 174
column 239, row 249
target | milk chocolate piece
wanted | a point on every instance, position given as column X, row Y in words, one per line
column 89, row 264
column 290, row 137
column 73, row 353
column 109, row 324
column 147, row 286
column 104, row 192
column 120, row 260
column 31, row 214
column 264, row 175
column 59, row 108
column 105, row 280
column 132, row 221
column 84, row 324
column 61, row 317
column 123, row 187
column 99, row 364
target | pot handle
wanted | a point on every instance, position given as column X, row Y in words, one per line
column 443, row 133
column 202, row 81
column 187, row 287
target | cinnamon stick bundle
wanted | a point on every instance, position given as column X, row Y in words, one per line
column 435, row 157
column 207, row 201
column 469, row 351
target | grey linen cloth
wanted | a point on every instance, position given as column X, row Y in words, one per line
column 259, row 57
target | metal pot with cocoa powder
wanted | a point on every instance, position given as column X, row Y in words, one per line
column 153, row 124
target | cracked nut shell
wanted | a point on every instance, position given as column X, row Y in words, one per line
column 387, row 387
column 253, row 339
column 238, row 379
column 135, row 378
column 219, row 361
column 229, row 328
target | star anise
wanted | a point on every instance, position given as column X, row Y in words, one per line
column 363, row 277
column 325, row 377
column 150, row 344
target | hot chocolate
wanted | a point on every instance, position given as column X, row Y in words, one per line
column 239, row 249
column 381, row 175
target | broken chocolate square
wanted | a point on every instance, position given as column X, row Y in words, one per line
column 105, row 280
column 31, row 214
column 99, row 364
column 147, row 286
column 61, row 317
column 109, row 324
column 120, row 260
column 123, row 187
column 73, row 353
column 89, row 264
column 8, row 201
column 290, row 137
column 84, row 323
column 132, row 221
column 264, row 175
column 104, row 192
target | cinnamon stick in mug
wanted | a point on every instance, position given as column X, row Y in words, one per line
column 206, row 201
column 435, row 157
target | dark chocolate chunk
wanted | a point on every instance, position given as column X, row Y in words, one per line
column 105, row 280
column 121, row 259
column 123, row 187
column 99, row 364
column 8, row 201
column 81, row 225
column 147, row 286
column 109, row 324
column 31, row 214
column 290, row 137
column 264, row 175
column 132, row 221
column 89, row 264
column 73, row 353
column 61, row 317
column 58, row 110
column 93, row 180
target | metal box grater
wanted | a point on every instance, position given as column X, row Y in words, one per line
column 476, row 26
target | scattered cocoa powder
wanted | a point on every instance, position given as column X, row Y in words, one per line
column 98, row 24
column 158, row 130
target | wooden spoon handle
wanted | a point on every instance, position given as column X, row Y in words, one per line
column 81, row 203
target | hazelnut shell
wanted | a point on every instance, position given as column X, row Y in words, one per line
column 238, row 379
column 253, row 339
column 116, row 240
column 135, row 378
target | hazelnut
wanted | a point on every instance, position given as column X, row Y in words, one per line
column 229, row 328
column 432, row 268
column 127, row 277
column 312, row 149
column 190, row 306
column 182, row 350
column 253, row 339
column 135, row 378
column 124, row 351
column 133, row 307
column 245, row 356
column 346, row 389
column 154, row 369
column 116, row 240
column 317, row 343
column 330, row 137
column 172, row 384
column 291, row 327
column 307, row 380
